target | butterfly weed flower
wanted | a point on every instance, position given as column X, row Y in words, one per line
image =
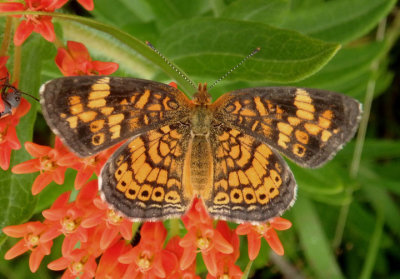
column 86, row 166
column 175, row 271
column 202, row 237
column 33, row 23
column 77, row 264
column 267, row 231
column 114, row 225
column 46, row 162
column 32, row 240
column 75, row 60
column 226, row 267
column 146, row 259
column 8, row 135
column 65, row 217
column 109, row 267
column 81, row 262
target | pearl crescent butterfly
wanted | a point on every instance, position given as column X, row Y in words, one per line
column 226, row 152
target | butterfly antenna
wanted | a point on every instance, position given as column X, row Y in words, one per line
column 33, row 97
column 170, row 64
column 7, row 85
column 234, row 68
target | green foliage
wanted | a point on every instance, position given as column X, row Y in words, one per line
column 344, row 226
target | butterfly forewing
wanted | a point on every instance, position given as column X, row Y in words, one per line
column 307, row 125
column 92, row 113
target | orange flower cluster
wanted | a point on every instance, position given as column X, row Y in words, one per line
column 37, row 23
column 103, row 236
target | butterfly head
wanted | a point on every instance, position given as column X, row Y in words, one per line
column 201, row 97
column 12, row 97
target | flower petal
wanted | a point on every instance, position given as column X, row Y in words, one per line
column 37, row 150
column 5, row 154
column 273, row 240
column 107, row 237
column 41, row 181
column 16, row 250
column 104, row 68
column 254, row 244
column 24, row 29
column 16, row 230
column 87, row 4
column 11, row 7
column 26, row 167
column 35, row 259
column 221, row 244
column 46, row 29
column 59, row 264
column 280, row 223
column 210, row 260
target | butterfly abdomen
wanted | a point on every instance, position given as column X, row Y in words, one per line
column 200, row 164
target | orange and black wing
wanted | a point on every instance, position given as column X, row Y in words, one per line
column 144, row 178
column 307, row 125
column 252, row 182
column 92, row 113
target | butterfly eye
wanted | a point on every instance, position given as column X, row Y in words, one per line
column 17, row 98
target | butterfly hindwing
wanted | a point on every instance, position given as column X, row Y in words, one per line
column 307, row 125
column 144, row 178
column 251, row 181
column 92, row 113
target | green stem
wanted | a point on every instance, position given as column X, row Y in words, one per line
column 17, row 60
column 135, row 227
column 247, row 270
column 373, row 248
column 175, row 227
column 6, row 37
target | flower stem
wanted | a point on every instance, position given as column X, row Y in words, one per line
column 17, row 60
column 247, row 270
column 7, row 36
column 175, row 225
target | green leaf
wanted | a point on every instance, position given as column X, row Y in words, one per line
column 348, row 64
column 340, row 20
column 168, row 12
column 122, row 12
column 314, row 180
column 210, row 47
column 384, row 204
column 15, row 189
column 375, row 149
column 269, row 12
column 313, row 240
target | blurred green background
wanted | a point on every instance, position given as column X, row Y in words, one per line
column 347, row 215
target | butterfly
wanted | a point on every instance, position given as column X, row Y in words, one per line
column 226, row 152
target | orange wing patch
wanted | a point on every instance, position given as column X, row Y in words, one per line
column 250, row 186
column 147, row 173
